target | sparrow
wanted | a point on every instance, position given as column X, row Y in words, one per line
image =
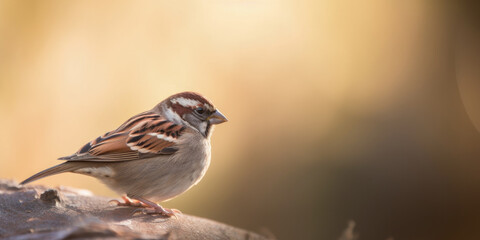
column 152, row 157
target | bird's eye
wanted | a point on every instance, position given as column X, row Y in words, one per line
column 200, row 110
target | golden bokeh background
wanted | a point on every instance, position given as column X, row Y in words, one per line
column 339, row 110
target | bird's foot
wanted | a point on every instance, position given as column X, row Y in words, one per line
column 153, row 208
column 128, row 202
column 159, row 210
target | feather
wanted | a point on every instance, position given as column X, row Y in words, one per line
column 60, row 168
column 145, row 134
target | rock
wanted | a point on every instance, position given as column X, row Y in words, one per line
column 37, row 212
column 50, row 196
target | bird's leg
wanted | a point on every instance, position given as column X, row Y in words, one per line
column 128, row 202
column 153, row 208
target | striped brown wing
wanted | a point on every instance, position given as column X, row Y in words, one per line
column 144, row 135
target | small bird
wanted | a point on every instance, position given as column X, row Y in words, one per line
column 152, row 157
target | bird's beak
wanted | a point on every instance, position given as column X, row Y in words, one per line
column 217, row 118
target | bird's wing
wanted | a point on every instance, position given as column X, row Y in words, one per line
column 144, row 135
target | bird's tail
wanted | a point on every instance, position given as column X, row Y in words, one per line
column 60, row 168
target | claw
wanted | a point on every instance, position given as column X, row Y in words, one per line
column 162, row 211
column 176, row 211
column 165, row 212
column 128, row 202
column 148, row 207
column 153, row 208
column 115, row 202
column 138, row 210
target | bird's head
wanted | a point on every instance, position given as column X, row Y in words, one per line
column 192, row 110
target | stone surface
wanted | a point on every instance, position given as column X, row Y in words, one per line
column 37, row 212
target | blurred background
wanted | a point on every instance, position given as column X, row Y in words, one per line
column 339, row 110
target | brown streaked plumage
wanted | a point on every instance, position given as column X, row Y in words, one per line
column 155, row 155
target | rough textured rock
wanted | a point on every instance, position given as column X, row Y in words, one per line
column 37, row 212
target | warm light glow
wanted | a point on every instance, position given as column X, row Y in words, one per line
column 330, row 103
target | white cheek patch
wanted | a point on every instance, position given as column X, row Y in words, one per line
column 174, row 117
column 185, row 102
column 101, row 172
column 202, row 127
